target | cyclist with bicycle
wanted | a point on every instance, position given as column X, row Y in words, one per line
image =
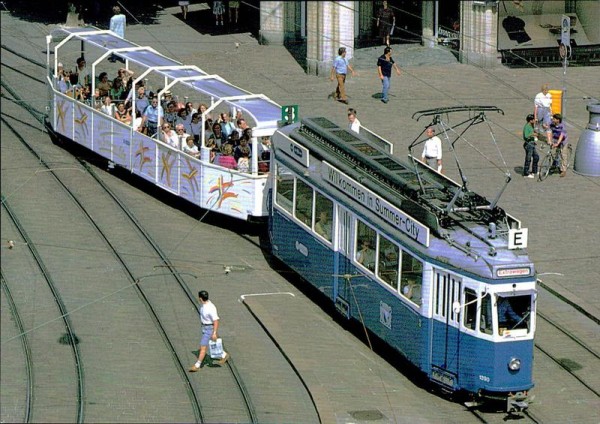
column 531, row 154
column 559, row 141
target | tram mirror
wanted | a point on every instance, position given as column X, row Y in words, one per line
column 456, row 307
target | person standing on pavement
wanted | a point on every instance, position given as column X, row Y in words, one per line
column 339, row 70
column 559, row 141
column 384, row 67
column 210, row 326
column 542, row 112
column 386, row 21
column 432, row 150
column 529, row 138
column 184, row 8
column 117, row 25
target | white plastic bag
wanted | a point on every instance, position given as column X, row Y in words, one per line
column 215, row 348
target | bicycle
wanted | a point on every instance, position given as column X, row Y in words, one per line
column 551, row 162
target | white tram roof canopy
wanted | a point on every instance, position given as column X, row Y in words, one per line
column 265, row 112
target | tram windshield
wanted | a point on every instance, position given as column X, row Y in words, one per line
column 514, row 314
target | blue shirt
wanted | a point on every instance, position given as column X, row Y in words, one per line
column 340, row 64
column 506, row 314
column 153, row 113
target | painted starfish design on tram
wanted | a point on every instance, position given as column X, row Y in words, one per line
column 167, row 164
column 82, row 120
column 61, row 110
column 221, row 190
column 190, row 176
column 141, row 154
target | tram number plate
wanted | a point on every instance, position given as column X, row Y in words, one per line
column 443, row 377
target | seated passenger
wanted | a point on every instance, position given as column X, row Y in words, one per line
column 117, row 91
column 171, row 113
column 226, row 158
column 203, row 108
column 243, row 163
column 169, row 136
column 323, row 225
column 108, row 107
column 214, row 150
column 103, row 84
column 217, row 135
column 126, row 76
column 122, row 114
column 366, row 255
column 412, row 291
column 196, row 128
column 244, row 142
column 184, row 119
column 264, row 162
column 190, row 148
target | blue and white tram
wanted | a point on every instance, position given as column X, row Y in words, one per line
column 212, row 187
column 439, row 284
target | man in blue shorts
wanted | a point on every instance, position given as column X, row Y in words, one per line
column 210, row 325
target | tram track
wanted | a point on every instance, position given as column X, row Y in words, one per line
column 134, row 281
column 70, row 337
column 165, row 262
column 16, row 316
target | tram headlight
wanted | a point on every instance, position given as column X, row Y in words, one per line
column 514, row 364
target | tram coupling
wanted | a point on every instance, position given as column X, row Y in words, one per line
column 518, row 402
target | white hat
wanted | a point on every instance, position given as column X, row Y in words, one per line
column 60, row 65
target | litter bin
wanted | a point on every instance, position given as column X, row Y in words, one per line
column 556, row 101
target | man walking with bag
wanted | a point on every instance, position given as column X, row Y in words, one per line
column 210, row 326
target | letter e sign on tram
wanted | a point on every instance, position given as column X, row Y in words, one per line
column 517, row 239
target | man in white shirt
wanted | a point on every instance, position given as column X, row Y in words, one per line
column 432, row 150
column 210, row 325
column 117, row 25
column 542, row 112
column 353, row 122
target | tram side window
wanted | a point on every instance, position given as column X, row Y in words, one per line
column 485, row 324
column 285, row 188
column 365, row 245
column 388, row 262
column 323, row 216
column 513, row 313
column 470, row 316
column 304, row 202
column 411, row 278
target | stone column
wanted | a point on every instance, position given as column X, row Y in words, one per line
column 479, row 34
column 427, row 16
column 272, row 22
column 329, row 26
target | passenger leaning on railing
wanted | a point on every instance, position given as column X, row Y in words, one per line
column 226, row 158
column 122, row 114
column 190, row 148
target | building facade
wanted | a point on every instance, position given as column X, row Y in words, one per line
column 486, row 33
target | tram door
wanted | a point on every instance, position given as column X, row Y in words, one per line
column 445, row 330
column 342, row 263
